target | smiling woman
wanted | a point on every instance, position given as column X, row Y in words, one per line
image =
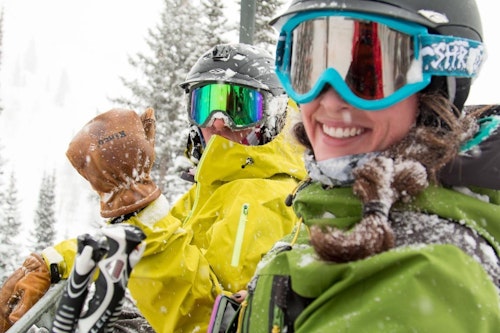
column 378, row 221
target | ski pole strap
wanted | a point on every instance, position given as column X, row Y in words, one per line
column 53, row 259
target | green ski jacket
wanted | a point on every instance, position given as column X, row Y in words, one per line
column 430, row 286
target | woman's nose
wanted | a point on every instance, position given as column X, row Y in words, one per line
column 330, row 97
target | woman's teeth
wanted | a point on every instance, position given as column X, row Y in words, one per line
column 340, row 133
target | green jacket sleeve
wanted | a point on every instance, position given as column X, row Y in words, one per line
column 426, row 289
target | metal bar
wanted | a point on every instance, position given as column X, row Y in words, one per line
column 43, row 312
column 247, row 21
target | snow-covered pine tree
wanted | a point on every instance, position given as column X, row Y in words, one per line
column 175, row 44
column 216, row 27
column 12, row 215
column 10, row 254
column 266, row 36
column 187, row 29
column 4, row 248
column 1, row 51
column 43, row 233
column 3, row 165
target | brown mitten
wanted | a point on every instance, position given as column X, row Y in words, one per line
column 22, row 290
column 114, row 152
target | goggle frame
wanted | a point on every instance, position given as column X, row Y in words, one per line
column 427, row 49
column 229, row 115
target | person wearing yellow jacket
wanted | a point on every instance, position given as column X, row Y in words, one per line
column 211, row 240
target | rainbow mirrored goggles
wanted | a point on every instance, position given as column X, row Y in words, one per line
column 243, row 106
column 371, row 61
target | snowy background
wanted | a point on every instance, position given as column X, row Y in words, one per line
column 62, row 60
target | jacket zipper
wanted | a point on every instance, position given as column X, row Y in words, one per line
column 239, row 235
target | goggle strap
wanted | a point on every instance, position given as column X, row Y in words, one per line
column 451, row 56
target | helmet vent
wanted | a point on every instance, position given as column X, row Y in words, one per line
column 433, row 16
column 221, row 53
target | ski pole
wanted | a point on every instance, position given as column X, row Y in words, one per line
column 126, row 247
column 89, row 252
column 122, row 247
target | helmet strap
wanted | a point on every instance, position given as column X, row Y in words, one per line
column 451, row 84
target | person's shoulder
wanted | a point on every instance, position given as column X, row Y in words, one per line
column 485, row 109
column 477, row 163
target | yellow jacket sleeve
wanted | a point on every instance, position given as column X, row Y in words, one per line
column 172, row 283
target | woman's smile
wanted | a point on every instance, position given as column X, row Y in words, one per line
column 342, row 132
column 337, row 129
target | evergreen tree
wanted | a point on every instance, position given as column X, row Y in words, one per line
column 4, row 248
column 11, row 214
column 10, row 254
column 266, row 36
column 44, row 232
column 175, row 44
column 215, row 25
column 3, row 189
column 1, row 51
column 3, row 165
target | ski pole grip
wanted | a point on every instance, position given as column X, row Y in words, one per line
column 90, row 251
column 126, row 247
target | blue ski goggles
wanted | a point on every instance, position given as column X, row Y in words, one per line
column 243, row 106
column 371, row 61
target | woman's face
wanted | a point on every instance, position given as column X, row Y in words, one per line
column 337, row 129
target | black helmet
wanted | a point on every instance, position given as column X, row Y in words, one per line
column 240, row 64
column 458, row 18
column 236, row 63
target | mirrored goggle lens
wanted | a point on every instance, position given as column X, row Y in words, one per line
column 371, row 61
column 371, row 58
column 243, row 105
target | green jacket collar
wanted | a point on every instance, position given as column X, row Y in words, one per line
column 341, row 208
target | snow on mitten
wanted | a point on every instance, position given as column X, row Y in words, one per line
column 114, row 152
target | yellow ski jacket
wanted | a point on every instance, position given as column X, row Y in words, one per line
column 211, row 240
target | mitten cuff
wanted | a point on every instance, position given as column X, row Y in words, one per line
column 55, row 263
column 128, row 200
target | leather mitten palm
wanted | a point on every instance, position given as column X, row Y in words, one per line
column 114, row 152
column 22, row 290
